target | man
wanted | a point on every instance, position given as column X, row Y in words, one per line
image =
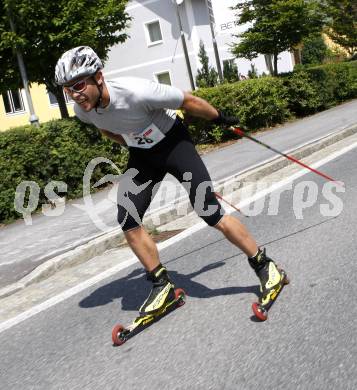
column 141, row 114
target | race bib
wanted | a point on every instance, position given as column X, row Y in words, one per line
column 146, row 139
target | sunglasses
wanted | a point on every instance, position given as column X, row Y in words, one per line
column 79, row 86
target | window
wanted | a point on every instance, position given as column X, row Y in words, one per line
column 52, row 97
column 13, row 102
column 154, row 35
column 163, row 78
column 54, row 101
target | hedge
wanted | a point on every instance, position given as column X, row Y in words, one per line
column 257, row 102
column 267, row 101
column 57, row 150
column 312, row 89
column 61, row 149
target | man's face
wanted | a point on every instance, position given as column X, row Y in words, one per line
column 84, row 92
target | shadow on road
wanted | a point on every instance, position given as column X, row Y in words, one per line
column 134, row 289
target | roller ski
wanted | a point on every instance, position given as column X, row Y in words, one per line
column 272, row 280
column 163, row 299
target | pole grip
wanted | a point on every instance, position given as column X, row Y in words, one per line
column 238, row 131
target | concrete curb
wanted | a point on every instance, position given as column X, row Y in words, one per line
column 164, row 215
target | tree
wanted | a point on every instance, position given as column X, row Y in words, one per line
column 206, row 76
column 314, row 49
column 46, row 29
column 230, row 71
column 275, row 26
column 342, row 23
column 252, row 73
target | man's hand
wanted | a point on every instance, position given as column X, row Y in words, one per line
column 200, row 108
column 227, row 120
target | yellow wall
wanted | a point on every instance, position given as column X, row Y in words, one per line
column 43, row 109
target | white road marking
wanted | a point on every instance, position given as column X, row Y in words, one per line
column 188, row 232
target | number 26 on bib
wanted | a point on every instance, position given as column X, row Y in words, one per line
column 145, row 139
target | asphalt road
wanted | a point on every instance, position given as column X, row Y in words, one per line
column 309, row 341
column 50, row 236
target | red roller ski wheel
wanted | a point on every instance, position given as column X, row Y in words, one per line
column 259, row 312
column 117, row 340
column 180, row 296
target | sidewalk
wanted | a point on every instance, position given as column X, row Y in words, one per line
column 23, row 248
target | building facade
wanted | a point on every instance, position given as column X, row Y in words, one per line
column 14, row 110
column 154, row 50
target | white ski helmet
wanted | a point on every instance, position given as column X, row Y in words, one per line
column 81, row 61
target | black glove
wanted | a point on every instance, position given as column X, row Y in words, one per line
column 227, row 120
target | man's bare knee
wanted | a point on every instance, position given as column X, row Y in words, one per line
column 132, row 233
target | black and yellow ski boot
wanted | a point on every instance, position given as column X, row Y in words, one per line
column 272, row 280
column 162, row 299
column 161, row 293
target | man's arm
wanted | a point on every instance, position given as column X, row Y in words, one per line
column 196, row 106
column 114, row 137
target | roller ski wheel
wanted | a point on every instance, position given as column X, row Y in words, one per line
column 121, row 334
column 180, row 297
column 117, row 334
column 261, row 311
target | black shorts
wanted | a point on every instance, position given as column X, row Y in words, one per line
column 175, row 154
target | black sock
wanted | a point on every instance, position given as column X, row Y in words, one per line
column 156, row 276
column 258, row 261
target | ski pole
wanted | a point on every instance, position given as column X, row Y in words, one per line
column 240, row 132
column 235, row 208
